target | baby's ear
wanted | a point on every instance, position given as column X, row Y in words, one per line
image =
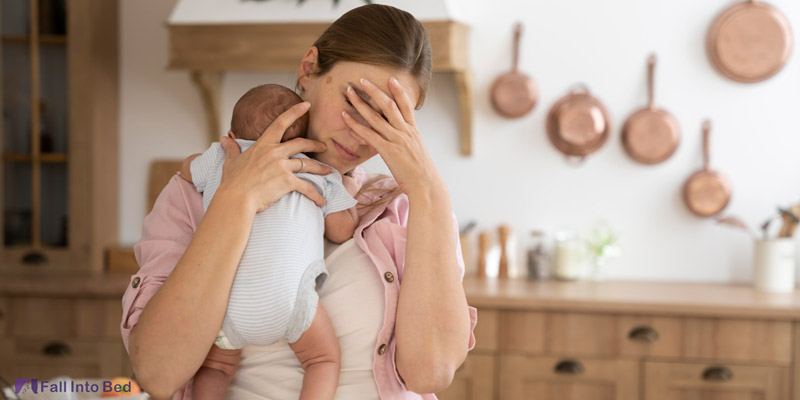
column 231, row 135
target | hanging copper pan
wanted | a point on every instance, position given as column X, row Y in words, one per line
column 706, row 192
column 749, row 41
column 578, row 124
column 514, row 94
column 651, row 135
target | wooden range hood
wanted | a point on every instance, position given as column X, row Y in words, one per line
column 208, row 47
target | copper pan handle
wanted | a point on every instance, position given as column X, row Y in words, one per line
column 706, row 145
column 517, row 35
column 651, row 66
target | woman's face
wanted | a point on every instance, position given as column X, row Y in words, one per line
column 326, row 93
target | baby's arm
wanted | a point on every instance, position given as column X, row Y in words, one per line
column 186, row 170
column 339, row 226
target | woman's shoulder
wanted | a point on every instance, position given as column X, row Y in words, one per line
column 179, row 200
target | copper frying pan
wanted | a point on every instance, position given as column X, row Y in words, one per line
column 749, row 41
column 651, row 135
column 514, row 94
column 706, row 192
column 578, row 124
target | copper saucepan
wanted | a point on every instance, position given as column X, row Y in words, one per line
column 749, row 41
column 514, row 94
column 706, row 192
column 651, row 135
column 578, row 124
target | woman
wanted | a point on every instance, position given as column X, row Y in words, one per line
column 396, row 339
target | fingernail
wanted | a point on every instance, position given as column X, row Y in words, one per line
column 364, row 82
column 345, row 114
column 306, row 104
column 394, row 81
column 349, row 89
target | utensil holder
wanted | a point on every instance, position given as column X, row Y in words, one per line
column 774, row 265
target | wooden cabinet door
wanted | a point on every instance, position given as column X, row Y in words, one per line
column 701, row 381
column 44, row 359
column 564, row 378
column 473, row 380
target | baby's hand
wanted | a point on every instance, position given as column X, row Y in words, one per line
column 351, row 185
column 186, row 170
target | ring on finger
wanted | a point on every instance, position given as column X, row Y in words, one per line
column 302, row 165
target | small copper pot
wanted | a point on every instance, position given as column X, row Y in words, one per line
column 749, row 42
column 578, row 124
column 651, row 135
column 514, row 94
column 706, row 192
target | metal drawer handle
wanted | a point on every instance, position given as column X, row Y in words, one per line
column 570, row 367
column 717, row 374
column 34, row 258
column 56, row 349
column 643, row 334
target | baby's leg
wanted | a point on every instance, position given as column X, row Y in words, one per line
column 320, row 356
column 213, row 378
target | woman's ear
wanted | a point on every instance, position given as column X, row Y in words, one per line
column 307, row 66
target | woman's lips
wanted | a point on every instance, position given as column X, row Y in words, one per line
column 343, row 152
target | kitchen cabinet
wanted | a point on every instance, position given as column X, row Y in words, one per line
column 631, row 340
column 62, row 325
column 58, row 139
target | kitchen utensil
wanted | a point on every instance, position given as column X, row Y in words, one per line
column 790, row 221
column 483, row 243
column 749, row 41
column 736, row 223
column 706, row 192
column 651, row 135
column 774, row 265
column 578, row 124
column 765, row 226
column 514, row 94
column 503, row 231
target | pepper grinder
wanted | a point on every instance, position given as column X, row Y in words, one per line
column 483, row 243
column 503, row 231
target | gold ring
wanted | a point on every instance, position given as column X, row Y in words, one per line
column 302, row 165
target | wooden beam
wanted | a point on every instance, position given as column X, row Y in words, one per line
column 210, row 85
column 464, row 85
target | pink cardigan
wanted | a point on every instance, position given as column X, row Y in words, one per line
column 168, row 229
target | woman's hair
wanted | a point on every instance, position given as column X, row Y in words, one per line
column 384, row 36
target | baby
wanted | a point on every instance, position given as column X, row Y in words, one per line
column 274, row 291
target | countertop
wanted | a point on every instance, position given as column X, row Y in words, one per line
column 639, row 297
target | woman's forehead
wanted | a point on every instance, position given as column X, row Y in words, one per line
column 345, row 72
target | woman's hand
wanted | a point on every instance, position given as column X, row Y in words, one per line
column 264, row 173
column 396, row 138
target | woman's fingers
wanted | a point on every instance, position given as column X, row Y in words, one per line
column 386, row 103
column 275, row 130
column 373, row 138
column 372, row 117
column 300, row 145
column 306, row 188
column 403, row 101
column 309, row 166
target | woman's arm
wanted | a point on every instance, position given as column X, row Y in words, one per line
column 433, row 320
column 179, row 323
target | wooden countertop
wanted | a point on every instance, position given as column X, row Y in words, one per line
column 69, row 284
column 632, row 297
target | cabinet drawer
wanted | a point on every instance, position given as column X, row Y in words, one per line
column 474, row 379
column 44, row 317
column 683, row 381
column 521, row 331
column 707, row 339
column 486, row 330
column 44, row 359
column 545, row 377
column 560, row 333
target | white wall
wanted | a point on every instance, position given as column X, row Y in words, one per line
column 522, row 179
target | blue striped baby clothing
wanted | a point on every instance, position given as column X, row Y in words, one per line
column 274, row 291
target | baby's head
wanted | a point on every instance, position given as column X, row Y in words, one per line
column 260, row 106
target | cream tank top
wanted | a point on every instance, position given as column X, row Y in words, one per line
column 353, row 296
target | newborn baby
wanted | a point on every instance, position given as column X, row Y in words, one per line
column 274, row 292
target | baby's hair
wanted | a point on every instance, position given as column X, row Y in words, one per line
column 260, row 106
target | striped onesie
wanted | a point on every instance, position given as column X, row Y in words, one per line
column 274, row 291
